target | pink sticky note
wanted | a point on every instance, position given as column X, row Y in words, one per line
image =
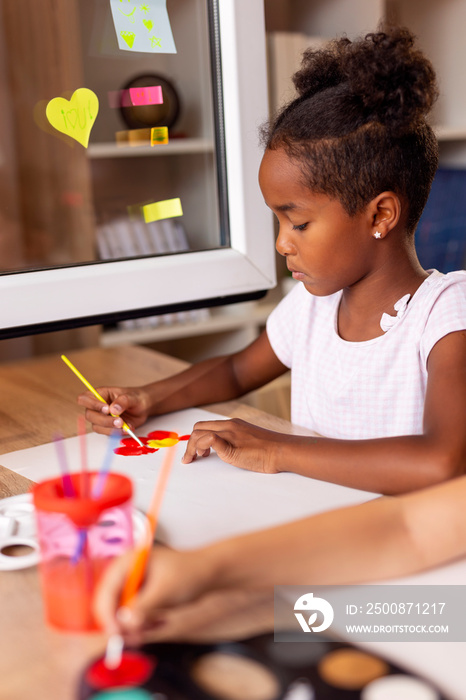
column 146, row 95
column 113, row 99
column 119, row 98
column 125, row 98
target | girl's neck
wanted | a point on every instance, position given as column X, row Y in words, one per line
column 363, row 304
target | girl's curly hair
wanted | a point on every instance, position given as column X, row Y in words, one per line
column 358, row 126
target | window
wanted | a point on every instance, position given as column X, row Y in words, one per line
column 77, row 240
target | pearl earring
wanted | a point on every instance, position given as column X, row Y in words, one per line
column 377, row 234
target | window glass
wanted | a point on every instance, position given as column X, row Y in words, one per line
column 90, row 176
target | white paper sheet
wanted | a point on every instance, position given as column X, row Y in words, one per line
column 204, row 501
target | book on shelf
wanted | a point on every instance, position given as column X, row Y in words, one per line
column 284, row 54
column 126, row 237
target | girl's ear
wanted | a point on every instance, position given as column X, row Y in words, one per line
column 385, row 211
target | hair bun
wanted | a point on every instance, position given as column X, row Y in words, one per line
column 394, row 82
column 320, row 70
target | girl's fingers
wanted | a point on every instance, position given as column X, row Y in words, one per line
column 214, row 425
column 113, row 397
column 103, row 431
column 100, row 420
column 89, row 401
column 200, row 443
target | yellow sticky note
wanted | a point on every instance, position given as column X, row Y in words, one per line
column 74, row 117
column 165, row 209
column 158, row 135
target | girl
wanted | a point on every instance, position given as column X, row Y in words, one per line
column 376, row 344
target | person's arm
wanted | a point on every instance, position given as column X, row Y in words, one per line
column 386, row 465
column 377, row 540
column 210, row 381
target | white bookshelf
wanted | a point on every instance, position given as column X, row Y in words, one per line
column 450, row 133
column 229, row 319
column 438, row 26
column 173, row 148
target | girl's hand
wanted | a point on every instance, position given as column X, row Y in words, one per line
column 236, row 442
column 132, row 404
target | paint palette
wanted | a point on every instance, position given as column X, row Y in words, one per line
column 255, row 669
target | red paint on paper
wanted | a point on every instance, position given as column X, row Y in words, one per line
column 152, row 443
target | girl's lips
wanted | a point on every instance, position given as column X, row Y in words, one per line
column 297, row 275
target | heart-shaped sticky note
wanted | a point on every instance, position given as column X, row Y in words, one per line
column 74, row 117
column 148, row 23
column 129, row 37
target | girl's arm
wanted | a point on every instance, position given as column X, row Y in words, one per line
column 385, row 465
column 378, row 540
column 210, row 381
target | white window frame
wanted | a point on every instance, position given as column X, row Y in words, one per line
column 85, row 293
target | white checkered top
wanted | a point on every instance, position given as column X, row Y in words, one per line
column 369, row 389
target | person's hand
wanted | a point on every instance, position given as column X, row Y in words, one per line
column 178, row 602
column 236, row 442
column 172, row 578
column 123, row 404
column 221, row 615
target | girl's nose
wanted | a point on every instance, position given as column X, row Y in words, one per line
column 284, row 244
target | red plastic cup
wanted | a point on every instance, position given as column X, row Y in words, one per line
column 78, row 537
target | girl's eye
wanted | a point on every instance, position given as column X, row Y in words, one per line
column 302, row 227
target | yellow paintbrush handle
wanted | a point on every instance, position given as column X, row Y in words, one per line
column 96, row 394
column 83, row 379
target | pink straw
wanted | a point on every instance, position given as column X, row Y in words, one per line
column 83, row 450
column 68, row 489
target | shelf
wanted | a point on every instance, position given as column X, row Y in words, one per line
column 175, row 147
column 450, row 133
column 220, row 321
column 200, row 145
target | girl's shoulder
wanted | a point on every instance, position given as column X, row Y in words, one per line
column 438, row 306
column 441, row 308
column 438, row 295
column 447, row 278
column 438, row 283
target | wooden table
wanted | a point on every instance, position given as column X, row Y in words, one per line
column 39, row 398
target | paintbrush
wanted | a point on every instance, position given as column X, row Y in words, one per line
column 141, row 556
column 99, row 484
column 68, row 489
column 97, row 489
column 84, row 469
column 98, row 396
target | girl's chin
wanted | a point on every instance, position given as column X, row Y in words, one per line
column 318, row 290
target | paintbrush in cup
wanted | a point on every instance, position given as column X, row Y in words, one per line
column 68, row 489
column 97, row 488
column 83, row 451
